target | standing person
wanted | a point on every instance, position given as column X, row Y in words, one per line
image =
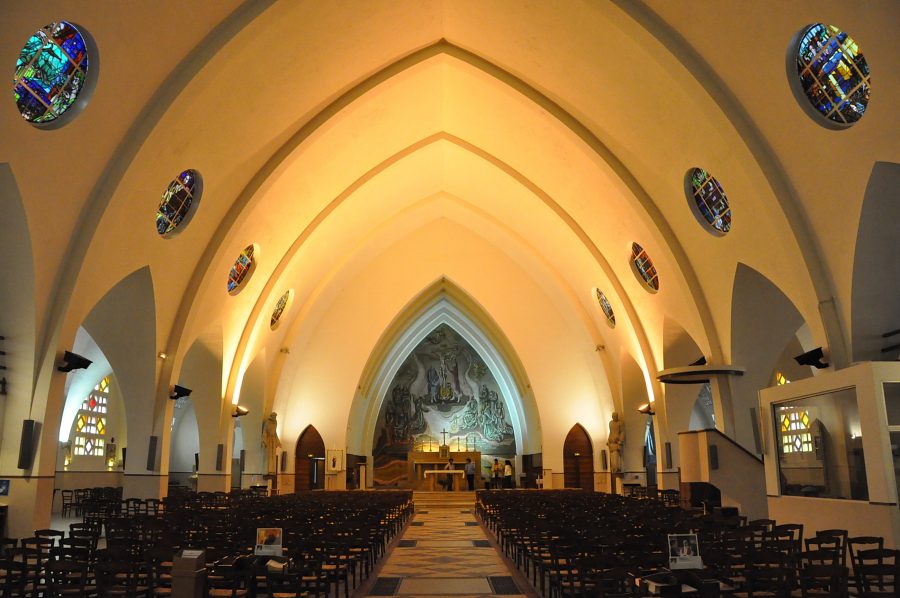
column 507, row 475
column 496, row 474
column 470, row 474
column 449, row 467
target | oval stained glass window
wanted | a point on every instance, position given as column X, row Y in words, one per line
column 50, row 73
column 175, row 208
column 709, row 201
column 606, row 307
column 241, row 270
column 280, row 308
column 644, row 268
column 833, row 73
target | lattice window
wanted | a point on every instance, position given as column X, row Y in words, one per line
column 280, row 307
column 796, row 431
column 606, row 307
column 241, row 269
column 644, row 267
column 91, row 422
column 780, row 379
column 710, row 200
column 179, row 197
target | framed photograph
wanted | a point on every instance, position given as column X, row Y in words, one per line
column 334, row 461
column 684, row 552
column 268, row 541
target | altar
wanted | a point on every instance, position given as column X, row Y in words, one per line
column 425, row 468
column 434, row 477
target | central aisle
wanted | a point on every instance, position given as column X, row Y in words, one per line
column 445, row 552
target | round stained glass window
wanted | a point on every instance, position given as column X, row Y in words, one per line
column 644, row 268
column 709, row 202
column 833, row 73
column 50, row 73
column 175, row 208
column 606, row 307
column 242, row 269
column 280, row 308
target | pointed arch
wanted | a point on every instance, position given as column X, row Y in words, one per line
column 309, row 460
column 578, row 459
column 875, row 299
column 443, row 303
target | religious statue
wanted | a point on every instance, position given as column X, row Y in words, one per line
column 271, row 443
column 615, row 442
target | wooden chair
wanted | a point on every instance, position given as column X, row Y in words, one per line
column 877, row 572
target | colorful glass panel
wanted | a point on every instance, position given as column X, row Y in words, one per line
column 709, row 196
column 780, row 379
column 50, row 72
column 90, row 423
column 240, row 269
column 796, row 433
column 606, row 307
column 833, row 73
column 177, row 200
column 279, row 309
column 645, row 268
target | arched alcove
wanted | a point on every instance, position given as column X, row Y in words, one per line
column 634, row 394
column 764, row 321
column 201, row 371
column 129, row 343
column 679, row 350
column 703, row 416
column 875, row 303
column 253, row 389
column 17, row 311
column 578, row 459
column 309, row 461
column 184, row 445
column 444, row 304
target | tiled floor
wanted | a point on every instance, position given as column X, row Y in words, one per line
column 451, row 557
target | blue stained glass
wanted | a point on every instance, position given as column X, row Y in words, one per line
column 177, row 200
column 645, row 267
column 711, row 200
column 50, row 72
column 240, row 269
column 833, row 73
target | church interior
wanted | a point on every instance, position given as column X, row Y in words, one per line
column 298, row 254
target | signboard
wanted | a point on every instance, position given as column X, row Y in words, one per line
column 684, row 552
column 268, row 541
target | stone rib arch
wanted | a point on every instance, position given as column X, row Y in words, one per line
column 443, row 303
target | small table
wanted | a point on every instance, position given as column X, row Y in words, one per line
column 434, row 473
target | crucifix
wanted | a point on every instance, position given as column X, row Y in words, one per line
column 444, row 441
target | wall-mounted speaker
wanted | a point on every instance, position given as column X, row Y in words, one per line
column 220, row 454
column 196, row 461
column 283, row 461
column 243, row 460
column 668, row 450
column 124, row 456
column 151, row 453
column 26, row 444
column 713, row 456
column 644, row 456
column 604, row 460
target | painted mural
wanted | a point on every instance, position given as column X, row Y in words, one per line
column 443, row 392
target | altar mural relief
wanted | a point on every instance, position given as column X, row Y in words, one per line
column 443, row 390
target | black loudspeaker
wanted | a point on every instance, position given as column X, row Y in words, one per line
column 243, row 459
column 124, row 455
column 220, row 453
column 26, row 444
column 196, row 461
column 713, row 457
column 604, row 460
column 644, row 456
column 668, row 449
column 151, row 453
column 283, row 461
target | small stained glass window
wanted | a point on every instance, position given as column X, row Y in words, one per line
column 175, row 208
column 644, row 267
column 710, row 201
column 50, row 73
column 606, row 307
column 90, row 423
column 280, row 308
column 780, row 379
column 796, row 431
column 833, row 73
column 241, row 270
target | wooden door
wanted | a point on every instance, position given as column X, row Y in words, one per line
column 310, row 450
column 578, row 459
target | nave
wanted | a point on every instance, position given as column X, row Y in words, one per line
column 444, row 551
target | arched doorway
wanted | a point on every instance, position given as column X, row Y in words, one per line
column 578, row 459
column 309, row 461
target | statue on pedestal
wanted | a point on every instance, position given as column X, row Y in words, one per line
column 271, row 443
column 615, row 442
